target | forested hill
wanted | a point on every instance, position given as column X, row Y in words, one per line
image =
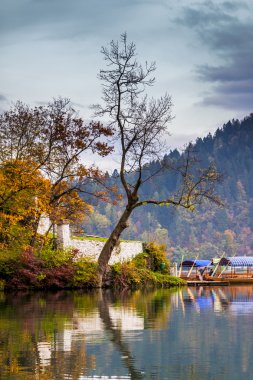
column 209, row 230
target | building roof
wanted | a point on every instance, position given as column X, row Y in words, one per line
column 237, row 261
column 196, row 263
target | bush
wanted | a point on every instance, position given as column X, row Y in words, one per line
column 141, row 260
column 8, row 263
column 127, row 275
column 54, row 258
column 24, row 271
column 59, row 277
column 85, row 274
column 59, row 269
column 154, row 258
column 165, row 280
column 148, row 269
column 53, row 269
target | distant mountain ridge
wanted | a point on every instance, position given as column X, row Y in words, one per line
column 209, row 230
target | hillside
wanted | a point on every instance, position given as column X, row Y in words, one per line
column 209, row 230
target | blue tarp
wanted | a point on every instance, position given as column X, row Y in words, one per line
column 197, row 263
column 237, row 261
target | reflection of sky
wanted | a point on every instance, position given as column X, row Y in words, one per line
column 241, row 308
column 204, row 302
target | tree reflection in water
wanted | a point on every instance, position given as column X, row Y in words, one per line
column 45, row 335
column 31, row 328
column 116, row 337
column 138, row 335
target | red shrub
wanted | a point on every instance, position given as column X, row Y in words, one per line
column 60, row 277
column 27, row 271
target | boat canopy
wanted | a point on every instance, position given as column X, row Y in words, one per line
column 196, row 263
column 237, row 261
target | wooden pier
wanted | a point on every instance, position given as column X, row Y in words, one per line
column 207, row 283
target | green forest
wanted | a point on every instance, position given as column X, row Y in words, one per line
column 209, row 230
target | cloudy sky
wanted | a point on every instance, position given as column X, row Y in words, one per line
column 203, row 51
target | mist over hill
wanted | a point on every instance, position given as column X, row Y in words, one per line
column 209, row 230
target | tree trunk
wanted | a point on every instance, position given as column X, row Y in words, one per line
column 110, row 244
column 35, row 226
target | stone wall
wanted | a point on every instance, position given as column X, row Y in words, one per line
column 92, row 248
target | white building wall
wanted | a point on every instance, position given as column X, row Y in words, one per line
column 92, row 248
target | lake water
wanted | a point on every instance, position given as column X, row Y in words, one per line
column 188, row 334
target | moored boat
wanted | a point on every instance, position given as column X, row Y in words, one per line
column 235, row 269
column 229, row 270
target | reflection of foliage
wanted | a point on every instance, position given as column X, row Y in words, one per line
column 192, row 372
column 153, row 306
column 85, row 303
column 41, row 318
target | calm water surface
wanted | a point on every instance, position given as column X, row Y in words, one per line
column 190, row 334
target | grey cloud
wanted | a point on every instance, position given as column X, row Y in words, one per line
column 60, row 19
column 232, row 101
column 243, row 87
column 236, row 37
column 228, row 34
column 234, row 6
column 239, row 69
column 220, row 29
column 204, row 17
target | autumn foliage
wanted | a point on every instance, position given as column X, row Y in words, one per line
column 42, row 171
column 24, row 196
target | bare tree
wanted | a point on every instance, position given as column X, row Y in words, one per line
column 140, row 126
